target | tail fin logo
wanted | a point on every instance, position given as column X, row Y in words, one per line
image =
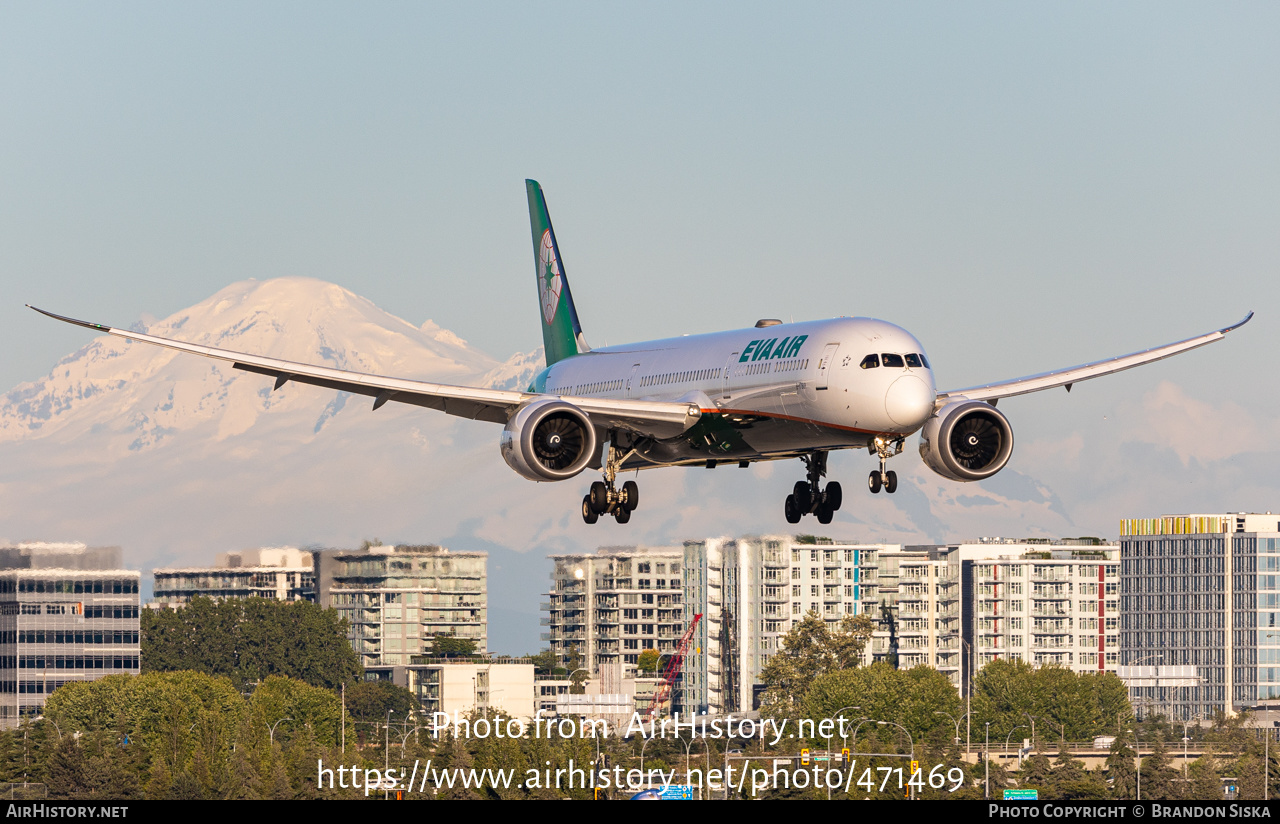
column 550, row 282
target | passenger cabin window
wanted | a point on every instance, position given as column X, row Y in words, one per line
column 893, row 360
column 913, row 361
column 870, row 362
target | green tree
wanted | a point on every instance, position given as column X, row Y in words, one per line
column 1071, row 781
column 1122, row 771
column 810, row 650
column 1160, row 780
column 449, row 646
column 912, row 698
column 1063, row 705
column 543, row 662
column 647, row 660
column 250, row 640
column 369, row 701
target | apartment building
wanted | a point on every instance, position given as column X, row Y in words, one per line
column 605, row 608
column 750, row 592
column 396, row 599
column 278, row 573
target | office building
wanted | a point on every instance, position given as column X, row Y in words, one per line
column 279, row 573
column 397, row 599
column 1201, row 591
column 604, row 609
column 67, row 613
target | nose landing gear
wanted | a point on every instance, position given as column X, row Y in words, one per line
column 809, row 497
column 886, row 449
column 604, row 498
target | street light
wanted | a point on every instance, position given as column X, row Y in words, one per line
column 1133, row 690
column 956, row 722
column 272, row 735
column 1006, row 743
column 1185, row 725
column 843, row 738
column 910, row 740
column 1032, row 719
column 986, row 763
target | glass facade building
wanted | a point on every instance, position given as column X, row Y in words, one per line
column 1203, row 591
column 58, row 626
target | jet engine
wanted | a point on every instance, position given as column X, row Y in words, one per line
column 548, row 440
column 966, row 441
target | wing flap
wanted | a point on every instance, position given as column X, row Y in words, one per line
column 1084, row 372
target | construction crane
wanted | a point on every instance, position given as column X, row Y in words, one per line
column 672, row 670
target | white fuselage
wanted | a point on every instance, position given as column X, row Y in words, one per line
column 785, row 389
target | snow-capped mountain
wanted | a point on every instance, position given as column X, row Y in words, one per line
column 133, row 396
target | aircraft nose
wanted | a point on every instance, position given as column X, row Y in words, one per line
column 909, row 401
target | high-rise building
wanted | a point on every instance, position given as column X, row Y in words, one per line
column 1201, row 592
column 67, row 613
column 1043, row 602
column 606, row 608
column 957, row 607
column 917, row 608
column 279, row 573
column 397, row 599
column 750, row 592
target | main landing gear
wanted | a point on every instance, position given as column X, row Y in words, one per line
column 809, row 496
column 604, row 498
column 886, row 450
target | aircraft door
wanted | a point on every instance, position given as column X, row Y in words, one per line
column 824, row 365
column 631, row 380
column 726, row 379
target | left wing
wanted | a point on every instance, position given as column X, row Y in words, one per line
column 659, row 419
column 1075, row 374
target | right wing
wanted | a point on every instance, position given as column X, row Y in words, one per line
column 660, row 419
column 1075, row 374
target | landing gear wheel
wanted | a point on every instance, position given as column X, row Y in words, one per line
column 792, row 510
column 589, row 513
column 801, row 493
column 891, row 482
column 873, row 482
column 599, row 497
column 834, row 496
column 630, row 496
column 621, row 514
column 824, row 514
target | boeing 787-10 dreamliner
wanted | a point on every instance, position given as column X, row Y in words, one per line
column 776, row 390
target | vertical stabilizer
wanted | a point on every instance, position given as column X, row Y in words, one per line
column 561, row 332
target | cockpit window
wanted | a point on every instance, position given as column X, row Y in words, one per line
column 913, row 361
column 893, row 360
column 870, row 362
column 925, row 362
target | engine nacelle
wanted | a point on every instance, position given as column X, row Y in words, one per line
column 548, row 440
column 966, row 441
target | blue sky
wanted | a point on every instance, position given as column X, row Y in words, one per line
column 1022, row 185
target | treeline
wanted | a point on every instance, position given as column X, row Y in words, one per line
column 250, row 640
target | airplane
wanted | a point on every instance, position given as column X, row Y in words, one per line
column 772, row 391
